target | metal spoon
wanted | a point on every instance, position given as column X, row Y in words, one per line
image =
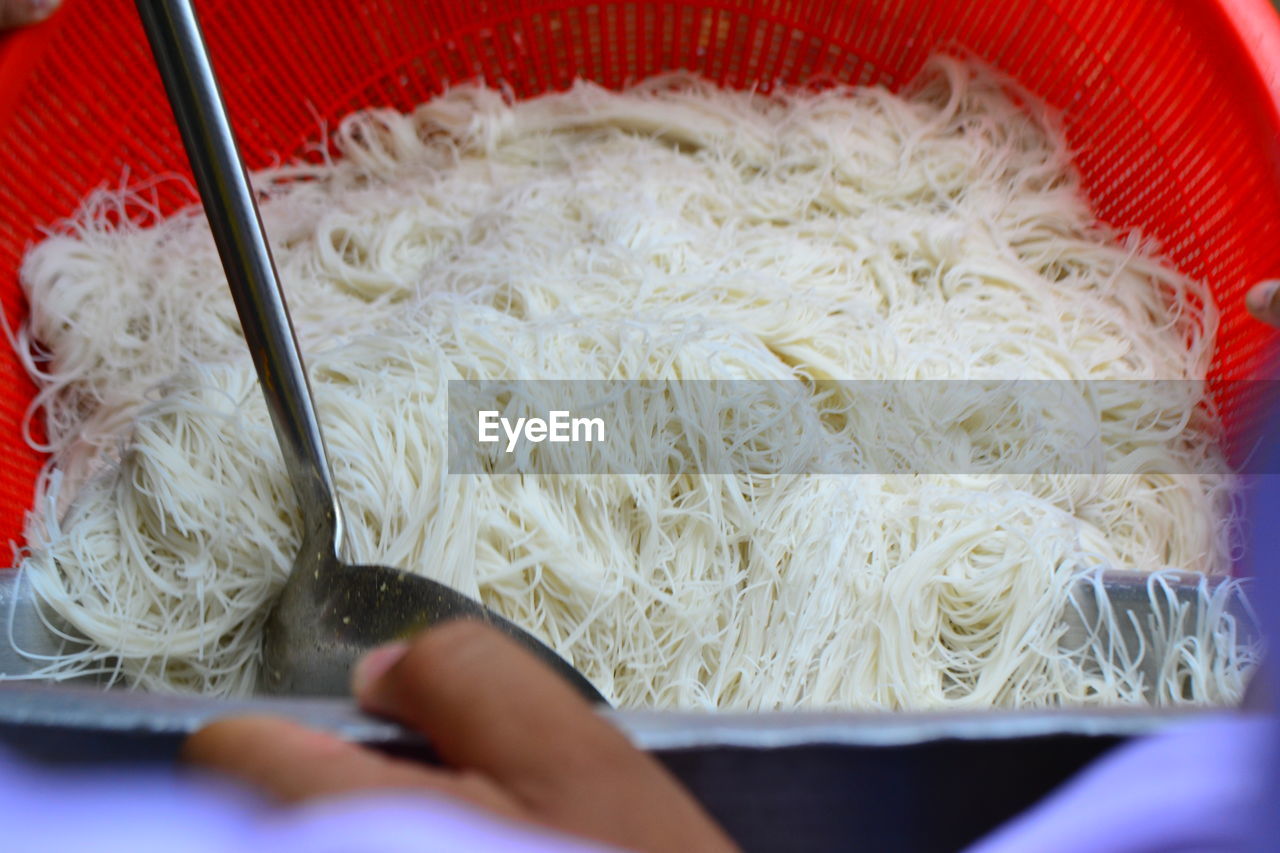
column 329, row 611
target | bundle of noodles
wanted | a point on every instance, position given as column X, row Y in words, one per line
column 672, row 231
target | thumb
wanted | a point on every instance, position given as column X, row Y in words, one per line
column 17, row 13
column 491, row 708
column 1263, row 302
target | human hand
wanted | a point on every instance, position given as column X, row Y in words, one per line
column 1263, row 301
column 17, row 13
column 517, row 741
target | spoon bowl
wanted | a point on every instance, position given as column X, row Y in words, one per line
column 331, row 612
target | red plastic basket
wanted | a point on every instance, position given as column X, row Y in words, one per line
column 1172, row 105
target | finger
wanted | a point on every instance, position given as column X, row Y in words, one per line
column 489, row 705
column 293, row 763
column 504, row 714
column 17, row 13
column 1263, row 301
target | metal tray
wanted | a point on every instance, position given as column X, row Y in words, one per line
column 88, row 707
column 774, row 781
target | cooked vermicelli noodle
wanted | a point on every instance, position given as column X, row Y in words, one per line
column 673, row 231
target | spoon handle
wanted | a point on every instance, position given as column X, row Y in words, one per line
column 229, row 204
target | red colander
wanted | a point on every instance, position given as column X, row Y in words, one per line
column 1173, row 107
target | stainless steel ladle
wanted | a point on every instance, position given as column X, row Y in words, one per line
column 329, row 611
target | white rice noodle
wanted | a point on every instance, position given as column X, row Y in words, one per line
column 672, row 231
